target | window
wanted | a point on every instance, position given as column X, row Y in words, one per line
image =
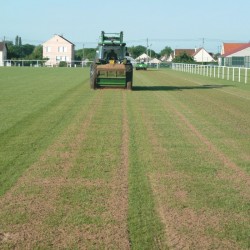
column 238, row 61
column 62, row 58
column 62, row 49
column 48, row 49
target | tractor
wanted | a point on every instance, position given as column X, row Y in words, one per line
column 111, row 68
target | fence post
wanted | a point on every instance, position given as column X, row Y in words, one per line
column 245, row 75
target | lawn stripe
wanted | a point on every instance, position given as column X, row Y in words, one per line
column 145, row 227
column 21, row 145
column 165, row 100
column 35, row 194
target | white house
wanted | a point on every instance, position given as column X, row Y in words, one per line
column 236, row 55
column 3, row 53
column 58, row 49
column 155, row 61
column 143, row 57
column 201, row 55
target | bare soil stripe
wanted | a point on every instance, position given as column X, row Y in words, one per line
column 175, row 219
column 222, row 157
column 120, row 181
column 41, row 205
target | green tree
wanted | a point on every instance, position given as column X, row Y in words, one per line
column 89, row 53
column 19, row 41
column 183, row 58
column 166, row 51
column 136, row 51
column 37, row 53
column 13, row 52
column 26, row 50
column 16, row 40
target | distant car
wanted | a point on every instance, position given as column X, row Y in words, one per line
column 141, row 65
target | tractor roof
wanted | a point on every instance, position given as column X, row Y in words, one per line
column 111, row 39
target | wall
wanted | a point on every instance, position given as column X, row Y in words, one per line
column 58, row 49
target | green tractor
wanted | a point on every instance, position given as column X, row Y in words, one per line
column 111, row 67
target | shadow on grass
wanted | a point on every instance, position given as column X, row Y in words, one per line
column 177, row 88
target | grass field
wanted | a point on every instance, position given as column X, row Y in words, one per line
column 164, row 166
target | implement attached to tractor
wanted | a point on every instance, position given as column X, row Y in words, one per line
column 111, row 68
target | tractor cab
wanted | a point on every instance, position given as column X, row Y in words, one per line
column 111, row 67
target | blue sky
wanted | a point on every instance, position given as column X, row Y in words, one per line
column 177, row 23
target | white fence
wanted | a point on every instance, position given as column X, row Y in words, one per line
column 41, row 63
column 235, row 74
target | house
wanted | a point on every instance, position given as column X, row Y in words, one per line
column 189, row 52
column 155, row 61
column 201, row 55
column 167, row 59
column 143, row 57
column 3, row 53
column 58, row 49
column 235, row 55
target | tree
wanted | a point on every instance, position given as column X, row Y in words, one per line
column 89, row 53
column 26, row 50
column 166, row 51
column 16, row 41
column 183, row 58
column 136, row 51
column 20, row 42
column 37, row 53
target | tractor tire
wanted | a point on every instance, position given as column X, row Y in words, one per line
column 93, row 75
column 129, row 76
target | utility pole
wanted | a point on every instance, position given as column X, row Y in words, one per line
column 147, row 49
column 202, row 49
column 83, row 52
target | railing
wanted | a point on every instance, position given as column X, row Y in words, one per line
column 235, row 74
column 41, row 63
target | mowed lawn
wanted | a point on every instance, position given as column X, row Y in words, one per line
column 166, row 165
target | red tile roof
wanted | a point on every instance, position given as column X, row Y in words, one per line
column 189, row 52
column 231, row 48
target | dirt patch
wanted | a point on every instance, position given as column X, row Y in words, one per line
column 237, row 176
column 41, row 210
column 185, row 227
column 119, row 185
column 27, row 212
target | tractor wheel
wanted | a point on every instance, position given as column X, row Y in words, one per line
column 93, row 75
column 129, row 76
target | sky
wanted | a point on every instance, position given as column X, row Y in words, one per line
column 179, row 24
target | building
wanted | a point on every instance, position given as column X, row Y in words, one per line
column 235, row 55
column 189, row 52
column 202, row 56
column 58, row 49
column 3, row 53
column 143, row 57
